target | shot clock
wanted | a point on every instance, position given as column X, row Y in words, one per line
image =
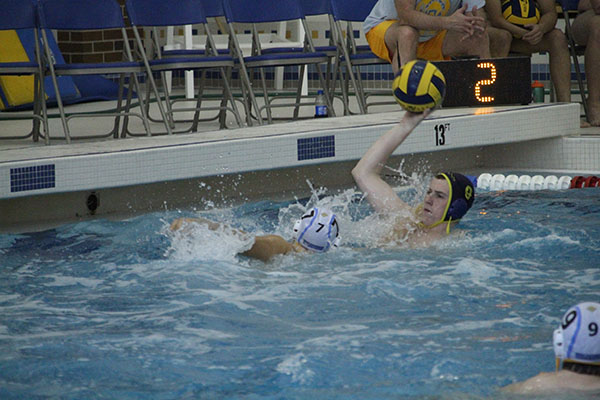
column 486, row 82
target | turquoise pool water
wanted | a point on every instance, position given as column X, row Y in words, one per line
column 126, row 310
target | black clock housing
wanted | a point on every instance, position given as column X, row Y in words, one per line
column 486, row 82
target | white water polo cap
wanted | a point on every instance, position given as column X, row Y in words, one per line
column 317, row 230
column 577, row 339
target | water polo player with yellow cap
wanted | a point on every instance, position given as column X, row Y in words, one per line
column 448, row 198
column 458, row 200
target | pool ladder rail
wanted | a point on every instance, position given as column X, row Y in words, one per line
column 495, row 182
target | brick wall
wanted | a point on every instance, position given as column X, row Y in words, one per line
column 91, row 46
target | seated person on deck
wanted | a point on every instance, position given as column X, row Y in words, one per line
column 449, row 197
column 577, row 347
column 402, row 30
column 316, row 231
column 539, row 37
column 586, row 31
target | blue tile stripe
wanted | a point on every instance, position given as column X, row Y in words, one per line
column 316, row 147
column 32, row 178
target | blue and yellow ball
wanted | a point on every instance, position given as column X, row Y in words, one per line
column 419, row 85
column 521, row 12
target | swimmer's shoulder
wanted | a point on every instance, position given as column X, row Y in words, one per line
column 555, row 382
column 534, row 384
column 266, row 247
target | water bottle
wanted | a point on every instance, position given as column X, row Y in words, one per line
column 538, row 92
column 320, row 105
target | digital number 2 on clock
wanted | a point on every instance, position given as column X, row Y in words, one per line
column 485, row 82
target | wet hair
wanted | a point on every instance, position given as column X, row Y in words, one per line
column 585, row 369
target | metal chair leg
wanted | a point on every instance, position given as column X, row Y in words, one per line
column 266, row 95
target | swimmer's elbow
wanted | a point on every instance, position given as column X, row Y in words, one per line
column 358, row 173
column 362, row 175
column 358, row 177
column 355, row 173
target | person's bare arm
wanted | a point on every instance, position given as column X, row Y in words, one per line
column 548, row 15
column 546, row 23
column 458, row 21
column 367, row 171
column 493, row 8
column 267, row 246
column 264, row 247
column 585, row 5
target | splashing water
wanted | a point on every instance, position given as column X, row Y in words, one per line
column 130, row 310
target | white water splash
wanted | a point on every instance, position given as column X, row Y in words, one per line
column 196, row 241
column 295, row 367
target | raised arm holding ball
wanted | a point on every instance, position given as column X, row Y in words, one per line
column 419, row 87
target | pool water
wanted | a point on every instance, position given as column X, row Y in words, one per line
column 128, row 310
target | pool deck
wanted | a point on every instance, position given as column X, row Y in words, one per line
column 44, row 185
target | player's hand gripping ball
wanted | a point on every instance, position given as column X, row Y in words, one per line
column 419, row 85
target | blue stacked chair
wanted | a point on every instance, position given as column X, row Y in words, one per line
column 345, row 12
column 162, row 13
column 94, row 15
column 21, row 14
column 323, row 7
column 245, row 12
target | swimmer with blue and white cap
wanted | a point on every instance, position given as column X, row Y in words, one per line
column 316, row 231
column 577, row 350
column 449, row 196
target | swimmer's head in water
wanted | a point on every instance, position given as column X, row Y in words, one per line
column 317, row 230
column 577, row 339
column 461, row 196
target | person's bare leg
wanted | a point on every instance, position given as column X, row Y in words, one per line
column 586, row 30
column 560, row 64
column 555, row 43
column 592, row 72
column 500, row 40
column 456, row 45
column 401, row 41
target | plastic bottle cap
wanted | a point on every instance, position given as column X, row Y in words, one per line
column 537, row 84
